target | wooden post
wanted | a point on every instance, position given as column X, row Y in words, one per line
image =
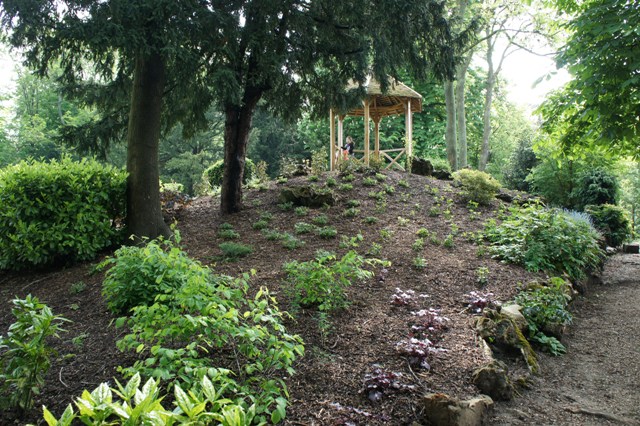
column 409, row 129
column 340, row 131
column 366, row 131
column 376, row 126
column 332, row 137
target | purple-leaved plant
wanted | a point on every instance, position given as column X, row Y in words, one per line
column 418, row 351
column 477, row 301
column 380, row 381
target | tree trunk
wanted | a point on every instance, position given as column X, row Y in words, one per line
column 144, row 214
column 488, row 99
column 236, row 136
column 461, row 117
column 450, row 135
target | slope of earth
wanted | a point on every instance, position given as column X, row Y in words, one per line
column 596, row 382
column 328, row 385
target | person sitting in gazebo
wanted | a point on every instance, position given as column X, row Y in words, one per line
column 347, row 149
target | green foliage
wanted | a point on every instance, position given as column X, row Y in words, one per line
column 322, row 282
column 228, row 234
column 351, row 212
column 476, row 185
column 327, row 232
column 212, row 314
column 597, row 186
column 523, row 159
column 319, row 162
column 301, row 211
column 612, row 221
column 134, row 404
column 139, row 274
column 214, row 173
column 545, row 306
column 260, row 224
column 419, row 262
column 546, row 240
column 233, row 251
column 63, row 210
column 25, row 354
column 304, row 228
column 320, row 220
column 290, row 242
column 370, row 220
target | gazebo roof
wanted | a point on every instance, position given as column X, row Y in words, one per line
column 390, row 103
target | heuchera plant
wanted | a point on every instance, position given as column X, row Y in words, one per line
column 417, row 351
column 405, row 297
column 380, row 381
column 477, row 301
column 428, row 323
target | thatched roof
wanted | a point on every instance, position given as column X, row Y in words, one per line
column 390, row 103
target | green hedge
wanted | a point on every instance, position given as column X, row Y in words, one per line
column 59, row 211
column 612, row 221
column 477, row 186
column 213, row 174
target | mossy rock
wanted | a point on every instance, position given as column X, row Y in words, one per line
column 493, row 380
column 307, row 196
column 503, row 333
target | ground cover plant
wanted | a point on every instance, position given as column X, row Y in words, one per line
column 364, row 333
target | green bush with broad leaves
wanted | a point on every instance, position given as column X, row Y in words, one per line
column 137, row 275
column 323, row 281
column 544, row 307
column 132, row 404
column 188, row 321
column 213, row 174
column 612, row 221
column 477, row 186
column 549, row 240
column 25, row 354
column 59, row 211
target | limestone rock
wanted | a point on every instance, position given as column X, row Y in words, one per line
column 503, row 334
column 514, row 312
column 307, row 195
column 443, row 410
column 493, row 380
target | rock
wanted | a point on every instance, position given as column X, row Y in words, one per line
column 442, row 174
column 504, row 335
column 515, row 313
column 443, row 410
column 504, row 196
column 493, row 380
column 307, row 195
column 631, row 248
column 422, row 167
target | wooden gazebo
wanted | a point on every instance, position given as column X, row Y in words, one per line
column 398, row 99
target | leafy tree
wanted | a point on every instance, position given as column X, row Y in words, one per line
column 599, row 107
column 158, row 56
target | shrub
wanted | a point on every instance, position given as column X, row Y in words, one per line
column 139, row 274
column 322, row 282
column 477, row 186
column 214, row 173
column 597, row 186
column 63, row 210
column 26, row 355
column 612, row 221
column 214, row 315
column 546, row 240
column 523, row 160
column 132, row 404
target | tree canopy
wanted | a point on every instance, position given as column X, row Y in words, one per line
column 601, row 105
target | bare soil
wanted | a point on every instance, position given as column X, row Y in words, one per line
column 327, row 388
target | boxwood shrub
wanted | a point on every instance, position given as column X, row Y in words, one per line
column 59, row 211
column 477, row 186
column 213, row 174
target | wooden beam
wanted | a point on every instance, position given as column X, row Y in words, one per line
column 332, row 137
column 376, row 126
column 366, row 131
column 409, row 129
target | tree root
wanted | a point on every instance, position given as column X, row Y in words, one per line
column 603, row 415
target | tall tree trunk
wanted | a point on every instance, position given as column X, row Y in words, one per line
column 144, row 214
column 236, row 136
column 488, row 99
column 450, row 135
column 461, row 116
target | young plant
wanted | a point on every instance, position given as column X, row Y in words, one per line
column 352, row 242
column 422, row 233
column 331, row 182
column 320, row 220
column 285, row 207
column 326, row 232
column 428, row 323
column 418, row 244
column 272, row 234
column 370, row 220
column 375, row 250
column 380, row 381
column 322, row 282
column 260, row 225
column 380, row 177
column 303, row 228
column 26, row 355
column 434, row 211
column 345, row 187
column 477, row 301
column 228, row 234
column 405, row 297
column 482, row 276
column 233, row 251
column 385, row 234
column 348, row 178
column 448, row 241
column 389, row 189
column 291, row 243
column 369, row 181
column 418, row 352
column 77, row 287
column 351, row 212
column 419, row 262
column 353, row 203
column 402, row 221
column 403, row 183
column 313, row 178
column 377, row 195
column 301, row 211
